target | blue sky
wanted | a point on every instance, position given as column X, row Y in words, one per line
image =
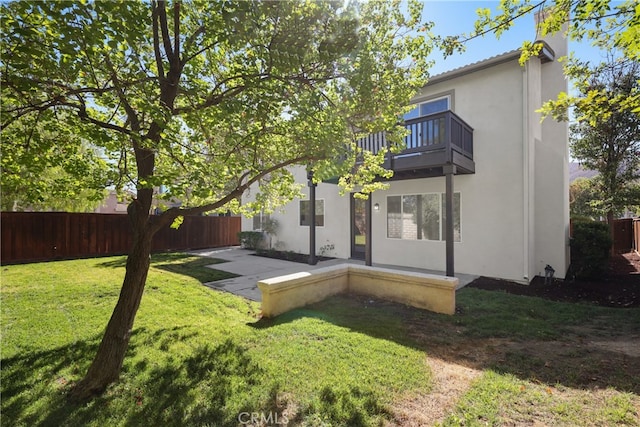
column 454, row 17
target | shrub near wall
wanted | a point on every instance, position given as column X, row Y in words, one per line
column 250, row 239
column 590, row 249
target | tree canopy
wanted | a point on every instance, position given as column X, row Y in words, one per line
column 206, row 99
column 609, row 25
column 45, row 166
column 607, row 139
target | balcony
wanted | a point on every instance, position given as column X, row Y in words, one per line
column 434, row 141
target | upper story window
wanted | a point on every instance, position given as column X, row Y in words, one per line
column 433, row 106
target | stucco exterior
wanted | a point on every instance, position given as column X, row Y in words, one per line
column 514, row 210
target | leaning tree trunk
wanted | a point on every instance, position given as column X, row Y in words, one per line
column 107, row 363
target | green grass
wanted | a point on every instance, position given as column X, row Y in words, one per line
column 196, row 356
column 202, row 357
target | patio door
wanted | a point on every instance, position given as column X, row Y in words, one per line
column 358, row 227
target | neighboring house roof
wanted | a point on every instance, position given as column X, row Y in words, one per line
column 577, row 171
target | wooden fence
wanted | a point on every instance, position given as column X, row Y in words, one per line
column 626, row 234
column 46, row 236
column 622, row 235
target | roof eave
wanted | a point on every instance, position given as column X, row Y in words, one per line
column 546, row 55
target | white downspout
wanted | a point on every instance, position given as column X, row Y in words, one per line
column 525, row 172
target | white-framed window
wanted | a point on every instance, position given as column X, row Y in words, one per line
column 259, row 220
column 432, row 106
column 305, row 212
column 421, row 217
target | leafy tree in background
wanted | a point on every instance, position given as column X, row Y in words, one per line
column 208, row 98
column 609, row 141
column 47, row 167
column 582, row 193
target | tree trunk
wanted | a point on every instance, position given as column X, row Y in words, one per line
column 107, row 363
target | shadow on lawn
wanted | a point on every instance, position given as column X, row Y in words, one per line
column 597, row 353
column 155, row 258
column 188, row 265
column 209, row 386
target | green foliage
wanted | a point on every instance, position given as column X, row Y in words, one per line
column 251, row 239
column 177, row 222
column 200, row 357
column 607, row 23
column 353, row 407
column 606, row 137
column 209, row 98
column 46, row 166
column 590, row 246
column 611, row 26
column 585, row 198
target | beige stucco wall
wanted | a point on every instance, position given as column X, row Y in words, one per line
column 552, row 175
column 514, row 209
column 292, row 236
column 491, row 209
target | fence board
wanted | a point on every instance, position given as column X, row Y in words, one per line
column 46, row 236
column 622, row 235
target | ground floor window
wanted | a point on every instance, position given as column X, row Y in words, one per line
column 260, row 220
column 305, row 212
column 421, row 217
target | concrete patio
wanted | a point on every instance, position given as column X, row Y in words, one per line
column 251, row 269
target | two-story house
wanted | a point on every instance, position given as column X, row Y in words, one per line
column 475, row 136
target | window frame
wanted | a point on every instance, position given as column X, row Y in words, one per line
column 262, row 217
column 300, row 224
column 441, row 216
column 418, row 107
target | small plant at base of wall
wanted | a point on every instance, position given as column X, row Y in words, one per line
column 326, row 250
column 250, row 239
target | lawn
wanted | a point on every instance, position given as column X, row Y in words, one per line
column 203, row 357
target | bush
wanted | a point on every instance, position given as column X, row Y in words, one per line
column 590, row 246
column 250, row 239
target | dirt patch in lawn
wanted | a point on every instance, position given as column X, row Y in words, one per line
column 594, row 358
column 582, row 360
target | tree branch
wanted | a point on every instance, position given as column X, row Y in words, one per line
column 176, row 29
column 211, row 100
column 156, row 41
column 171, row 214
column 82, row 113
column 164, row 29
column 131, row 113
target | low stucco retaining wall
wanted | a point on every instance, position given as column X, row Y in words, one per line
column 427, row 291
